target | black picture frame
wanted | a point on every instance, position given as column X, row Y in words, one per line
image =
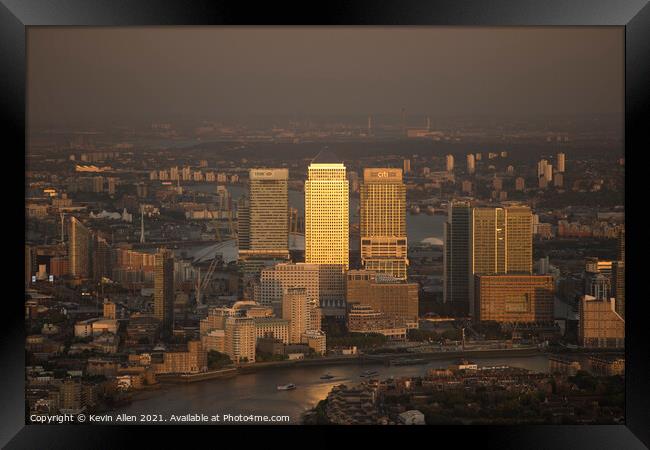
column 634, row 15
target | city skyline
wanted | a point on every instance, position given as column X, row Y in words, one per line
column 338, row 225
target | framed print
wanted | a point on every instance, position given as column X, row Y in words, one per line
column 271, row 220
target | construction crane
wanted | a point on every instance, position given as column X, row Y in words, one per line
column 202, row 284
column 141, row 223
column 62, row 214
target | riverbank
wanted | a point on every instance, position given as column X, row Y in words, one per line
column 384, row 359
column 255, row 392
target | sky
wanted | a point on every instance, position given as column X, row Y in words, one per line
column 76, row 75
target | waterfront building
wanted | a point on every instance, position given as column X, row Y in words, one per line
column 395, row 298
column 272, row 327
column 514, row 298
column 599, row 325
column 192, row 360
column 327, row 223
column 240, row 337
column 216, row 319
column 163, row 290
column 383, row 222
column 316, row 340
column 297, row 309
column 364, row 319
column 214, row 340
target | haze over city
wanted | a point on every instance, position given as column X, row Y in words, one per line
column 82, row 76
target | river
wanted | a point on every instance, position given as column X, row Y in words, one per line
column 257, row 393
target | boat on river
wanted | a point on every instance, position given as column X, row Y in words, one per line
column 369, row 373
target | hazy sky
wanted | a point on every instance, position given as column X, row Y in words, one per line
column 78, row 74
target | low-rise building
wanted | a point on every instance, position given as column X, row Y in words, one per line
column 192, row 360
column 316, row 340
column 607, row 365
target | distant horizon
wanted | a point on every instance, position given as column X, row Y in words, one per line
column 414, row 119
column 90, row 75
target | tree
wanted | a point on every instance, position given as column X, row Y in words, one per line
column 217, row 360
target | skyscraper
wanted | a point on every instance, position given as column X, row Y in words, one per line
column 501, row 243
column 327, row 223
column 296, row 309
column 79, row 249
column 561, row 161
column 621, row 246
column 243, row 225
column 471, row 164
column 163, row 290
column 267, row 215
column 450, row 163
column 407, row 166
column 618, row 286
column 383, row 222
column 101, row 258
column 456, row 256
column 541, row 167
column 618, row 276
column 548, row 172
column 502, row 240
